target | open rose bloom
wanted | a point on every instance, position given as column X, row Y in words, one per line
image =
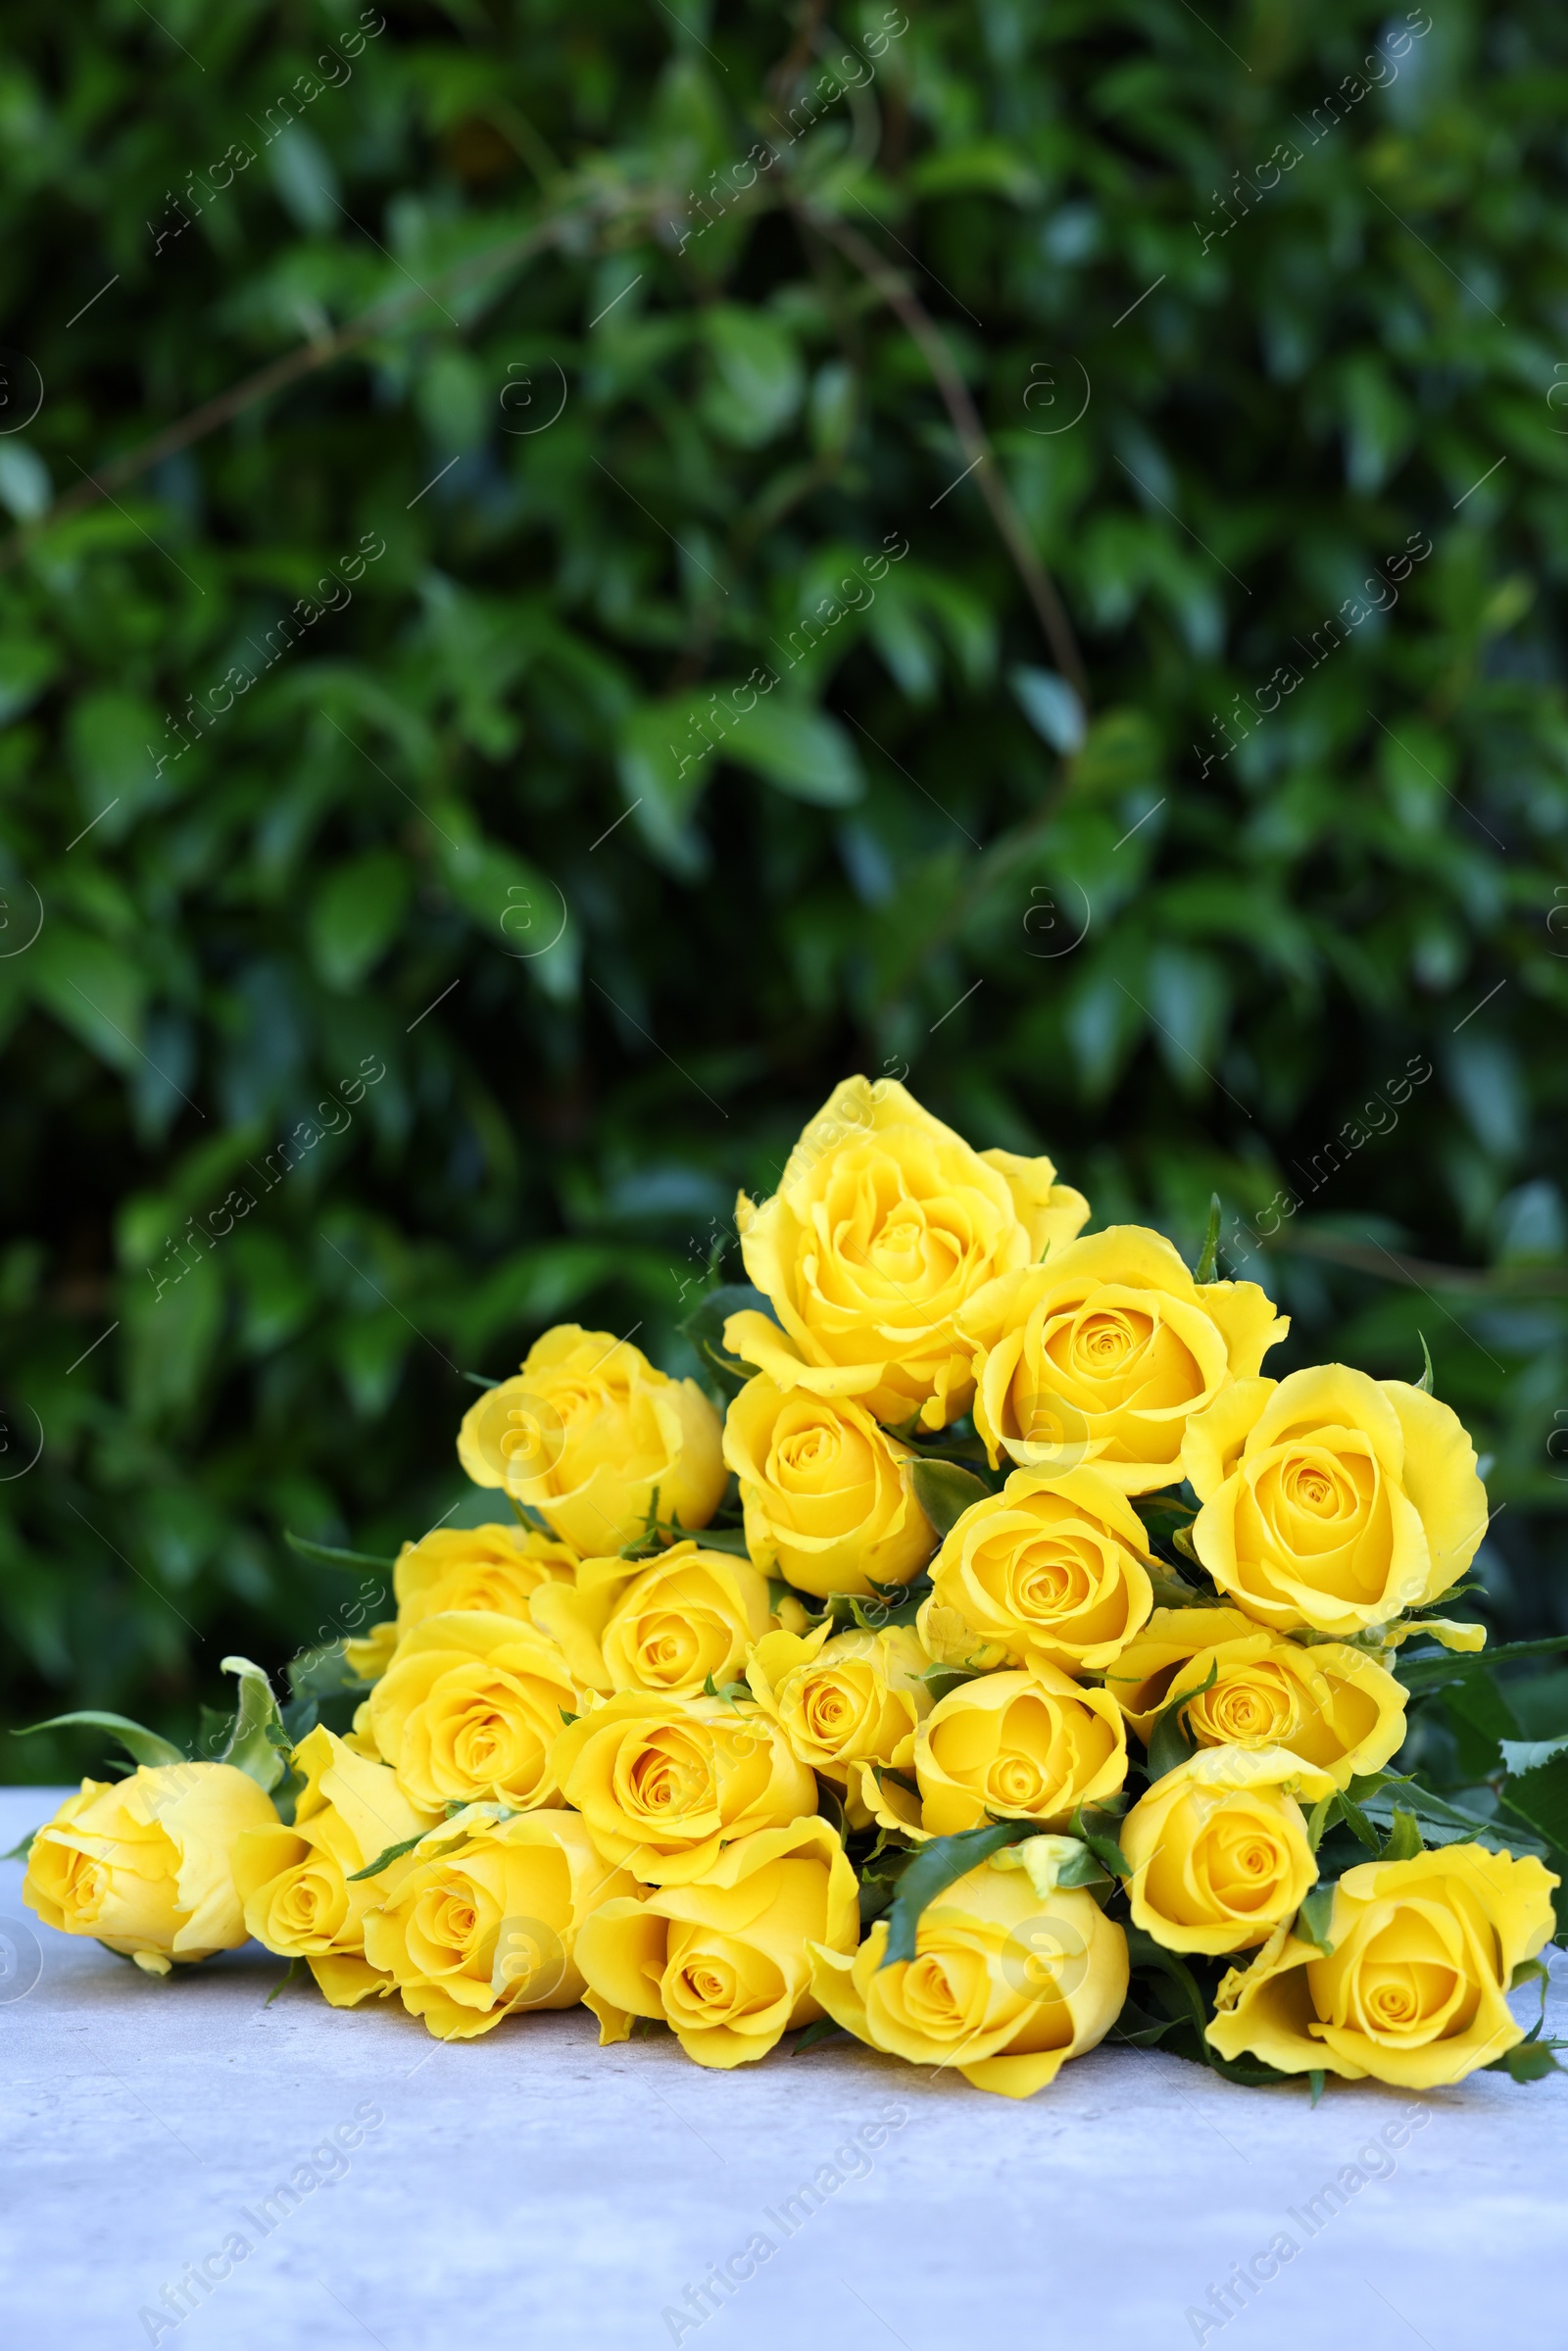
column 982, row 1656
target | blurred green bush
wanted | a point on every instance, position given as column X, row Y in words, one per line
column 534, row 596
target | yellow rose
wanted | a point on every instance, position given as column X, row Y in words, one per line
column 146, row 1864
column 1029, row 1745
column 843, row 1699
column 1332, row 1501
column 1218, row 1848
column 498, row 1569
column 885, row 1223
column 1331, row 1705
column 1003, row 1987
column 295, row 1882
column 724, row 1960
column 666, row 1625
column 470, row 1710
column 596, row 1441
column 1414, row 1988
column 484, row 1922
column 1051, row 1571
column 1101, row 1355
column 666, row 1784
column 827, row 1494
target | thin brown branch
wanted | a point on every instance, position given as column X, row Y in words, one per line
column 974, row 440
column 1420, row 1273
column 276, row 376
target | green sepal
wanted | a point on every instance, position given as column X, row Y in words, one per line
column 1526, row 2061
column 1094, row 1824
column 1312, row 1919
column 824, row 2029
column 1203, row 1270
column 1360, row 1827
column 1404, row 1839
column 259, row 1743
column 729, row 1539
column 1425, row 1381
column 1171, row 1743
column 477, row 1378
column 830, row 1805
column 140, row 1745
column 1317, row 2083
column 297, row 1967
column 22, row 1851
column 885, row 1771
column 373, row 1869
column 704, row 1329
column 945, row 1490
column 330, row 1555
column 567, row 1718
column 936, row 1866
column 1322, row 1817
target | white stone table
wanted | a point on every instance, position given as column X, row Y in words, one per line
column 527, row 2190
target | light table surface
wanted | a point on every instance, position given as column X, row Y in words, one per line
column 527, row 2189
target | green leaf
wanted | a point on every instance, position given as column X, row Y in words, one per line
column 1203, row 1270
column 1431, row 1669
column 1521, row 1755
column 1539, row 1794
column 20, row 1852
column 324, row 1671
column 936, row 1866
column 945, row 1492
column 704, row 1327
column 332, row 1557
column 1355, row 1820
column 141, row 1745
column 259, row 1743
column 799, row 750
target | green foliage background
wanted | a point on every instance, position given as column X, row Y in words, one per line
column 368, row 858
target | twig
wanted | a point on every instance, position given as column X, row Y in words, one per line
column 900, row 297
column 275, row 376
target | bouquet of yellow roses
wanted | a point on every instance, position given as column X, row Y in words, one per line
column 985, row 1657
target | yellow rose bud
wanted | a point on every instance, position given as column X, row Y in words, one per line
column 498, row 1569
column 1051, row 1571
column 146, row 1864
column 724, row 1960
column 1002, row 1987
column 666, row 1625
column 484, row 1922
column 596, row 1441
column 469, row 1712
column 664, row 1783
column 884, row 1225
column 1334, row 1501
column 296, row 1883
column 1029, row 1745
column 1414, row 1988
column 1331, row 1705
column 1218, row 1848
column 843, row 1699
column 827, row 1494
column 1103, row 1354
